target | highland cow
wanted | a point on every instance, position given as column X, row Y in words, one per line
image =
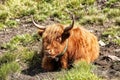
column 63, row 46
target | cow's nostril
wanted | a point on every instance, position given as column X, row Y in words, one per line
column 47, row 52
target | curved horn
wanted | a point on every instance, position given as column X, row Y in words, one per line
column 71, row 25
column 38, row 26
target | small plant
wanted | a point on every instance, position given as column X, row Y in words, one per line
column 92, row 10
column 15, row 9
column 20, row 7
column 113, row 32
column 18, row 40
column 113, row 13
column 117, row 21
column 3, row 15
column 81, row 71
column 7, row 58
column 2, row 26
column 11, row 23
column 7, row 69
column 106, row 10
column 117, row 41
column 93, row 19
column 110, row 3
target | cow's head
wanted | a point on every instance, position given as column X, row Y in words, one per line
column 54, row 38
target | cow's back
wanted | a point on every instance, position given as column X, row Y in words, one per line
column 82, row 45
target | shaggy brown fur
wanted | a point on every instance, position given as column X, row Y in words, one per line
column 82, row 45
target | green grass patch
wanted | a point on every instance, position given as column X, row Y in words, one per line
column 112, row 32
column 81, row 71
column 85, row 11
column 117, row 21
column 16, row 9
column 19, row 48
column 110, row 3
column 11, row 23
column 19, row 53
column 19, row 40
column 56, row 9
column 7, row 58
column 7, row 69
column 2, row 26
column 94, row 19
column 113, row 13
column 3, row 15
column 117, row 41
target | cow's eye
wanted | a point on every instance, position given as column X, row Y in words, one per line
column 58, row 39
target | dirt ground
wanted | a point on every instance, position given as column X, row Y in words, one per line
column 108, row 63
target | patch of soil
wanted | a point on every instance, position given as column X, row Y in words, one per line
column 107, row 67
column 8, row 33
column 108, row 63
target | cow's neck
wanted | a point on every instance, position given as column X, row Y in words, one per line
column 65, row 49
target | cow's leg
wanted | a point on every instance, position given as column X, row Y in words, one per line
column 47, row 64
column 64, row 62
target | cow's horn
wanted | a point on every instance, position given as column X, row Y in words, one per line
column 38, row 26
column 71, row 25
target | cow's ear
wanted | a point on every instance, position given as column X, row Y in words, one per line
column 65, row 36
column 40, row 32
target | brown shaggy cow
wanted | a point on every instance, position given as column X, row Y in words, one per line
column 63, row 46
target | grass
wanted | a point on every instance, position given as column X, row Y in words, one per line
column 19, row 40
column 3, row 15
column 110, row 3
column 117, row 21
column 18, row 54
column 19, row 49
column 12, row 9
column 2, row 26
column 7, row 69
column 43, row 10
column 20, row 8
column 86, row 11
column 7, row 58
column 114, row 33
column 81, row 71
column 113, row 13
column 11, row 23
column 94, row 19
